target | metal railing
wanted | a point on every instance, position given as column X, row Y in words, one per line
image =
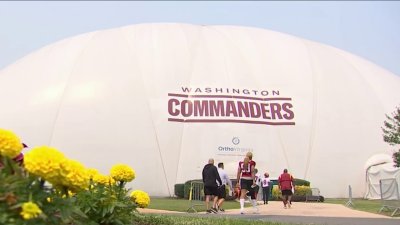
column 314, row 195
column 350, row 203
column 196, row 195
column 390, row 195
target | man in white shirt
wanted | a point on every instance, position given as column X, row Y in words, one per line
column 222, row 188
column 257, row 179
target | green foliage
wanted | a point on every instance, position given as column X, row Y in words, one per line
column 300, row 193
column 391, row 133
column 276, row 193
column 391, row 129
column 107, row 204
column 182, row 205
column 185, row 220
column 372, row 206
column 25, row 199
column 302, row 190
column 179, row 190
column 100, row 205
column 187, row 188
column 301, row 182
column 18, row 187
column 396, row 158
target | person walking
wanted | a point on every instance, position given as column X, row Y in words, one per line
column 222, row 188
column 246, row 181
column 265, row 187
column 210, row 177
column 286, row 185
column 257, row 178
column 253, row 192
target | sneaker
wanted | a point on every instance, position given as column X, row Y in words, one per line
column 290, row 205
column 241, row 212
column 284, row 207
column 214, row 210
column 256, row 211
column 208, row 211
column 222, row 210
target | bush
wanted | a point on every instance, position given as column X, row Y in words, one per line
column 276, row 193
column 179, row 190
column 50, row 189
column 302, row 190
column 186, row 190
column 301, row 182
column 299, row 193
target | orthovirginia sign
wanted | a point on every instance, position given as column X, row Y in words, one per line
column 228, row 150
column 229, row 105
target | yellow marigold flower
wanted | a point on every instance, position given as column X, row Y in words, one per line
column 141, row 198
column 92, row 173
column 74, row 175
column 45, row 162
column 30, row 210
column 70, row 194
column 103, row 179
column 122, row 172
column 10, row 145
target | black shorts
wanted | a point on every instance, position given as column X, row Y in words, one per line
column 256, row 189
column 287, row 192
column 251, row 193
column 211, row 190
column 246, row 184
column 221, row 191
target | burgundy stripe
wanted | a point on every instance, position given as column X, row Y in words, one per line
column 227, row 96
column 178, row 95
column 228, row 121
column 231, row 154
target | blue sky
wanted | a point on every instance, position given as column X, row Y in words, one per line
column 370, row 29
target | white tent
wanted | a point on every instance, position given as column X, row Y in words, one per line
column 164, row 98
column 377, row 167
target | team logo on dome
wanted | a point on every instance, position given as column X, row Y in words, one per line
column 224, row 105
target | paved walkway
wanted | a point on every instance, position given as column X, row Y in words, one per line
column 309, row 209
column 298, row 209
column 300, row 213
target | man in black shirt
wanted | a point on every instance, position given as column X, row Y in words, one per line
column 210, row 177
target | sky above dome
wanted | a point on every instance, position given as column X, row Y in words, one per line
column 370, row 29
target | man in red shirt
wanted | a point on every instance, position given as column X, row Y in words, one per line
column 285, row 185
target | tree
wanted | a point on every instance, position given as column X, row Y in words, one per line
column 391, row 133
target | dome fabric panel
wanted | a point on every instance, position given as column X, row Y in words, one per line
column 164, row 98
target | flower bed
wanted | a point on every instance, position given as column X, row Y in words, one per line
column 46, row 187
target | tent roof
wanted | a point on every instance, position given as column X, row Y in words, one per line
column 378, row 159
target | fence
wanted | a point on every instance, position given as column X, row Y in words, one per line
column 314, row 195
column 390, row 195
column 350, row 203
column 196, row 195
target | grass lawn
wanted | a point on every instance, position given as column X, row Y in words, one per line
column 371, row 206
column 187, row 219
column 182, row 205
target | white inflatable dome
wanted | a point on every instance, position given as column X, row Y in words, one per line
column 164, row 98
